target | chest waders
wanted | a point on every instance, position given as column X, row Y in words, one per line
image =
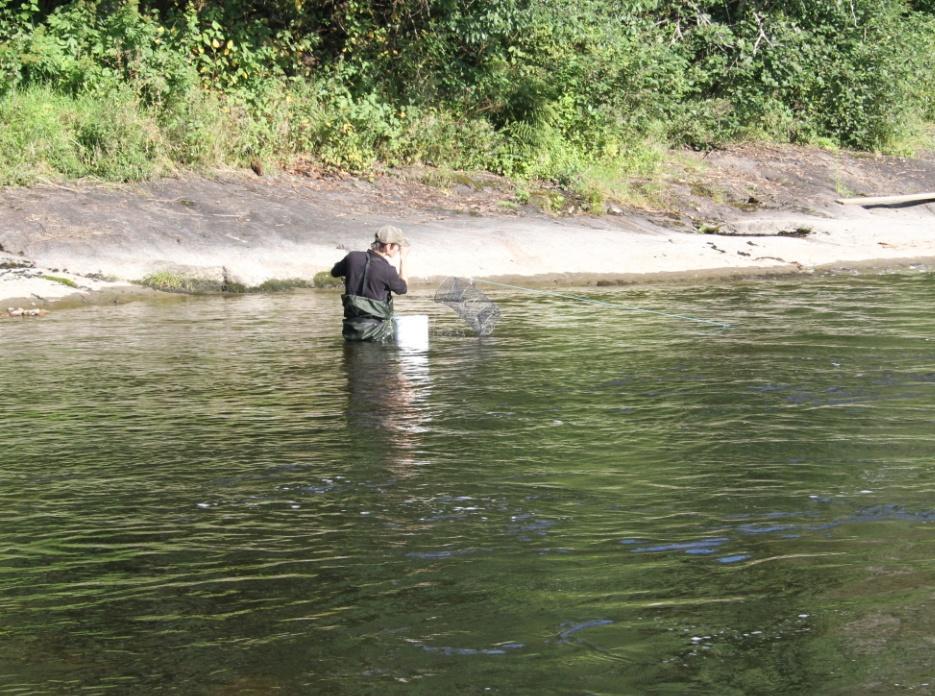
column 366, row 319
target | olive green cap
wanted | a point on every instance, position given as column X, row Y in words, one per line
column 388, row 234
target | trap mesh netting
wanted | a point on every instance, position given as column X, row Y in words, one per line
column 474, row 307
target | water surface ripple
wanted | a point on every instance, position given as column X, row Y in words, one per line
column 218, row 496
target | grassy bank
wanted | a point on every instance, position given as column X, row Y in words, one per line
column 587, row 94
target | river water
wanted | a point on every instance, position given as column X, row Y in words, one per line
column 217, row 496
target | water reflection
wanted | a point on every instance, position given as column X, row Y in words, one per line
column 220, row 499
column 387, row 402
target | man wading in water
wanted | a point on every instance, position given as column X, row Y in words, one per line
column 369, row 280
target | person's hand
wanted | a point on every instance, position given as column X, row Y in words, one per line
column 403, row 253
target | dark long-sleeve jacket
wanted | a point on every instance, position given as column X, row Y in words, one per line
column 382, row 277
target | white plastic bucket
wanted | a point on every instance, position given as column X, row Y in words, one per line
column 412, row 331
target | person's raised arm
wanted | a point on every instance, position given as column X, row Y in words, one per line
column 403, row 253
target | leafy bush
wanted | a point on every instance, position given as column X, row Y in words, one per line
column 45, row 134
column 569, row 91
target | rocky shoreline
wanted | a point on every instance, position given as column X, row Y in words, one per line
column 758, row 212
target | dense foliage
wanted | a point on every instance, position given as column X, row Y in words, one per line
column 125, row 89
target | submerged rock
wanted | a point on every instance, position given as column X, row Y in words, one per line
column 24, row 313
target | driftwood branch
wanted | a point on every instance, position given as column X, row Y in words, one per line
column 888, row 200
column 761, row 34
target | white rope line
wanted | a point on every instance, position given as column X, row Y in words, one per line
column 578, row 298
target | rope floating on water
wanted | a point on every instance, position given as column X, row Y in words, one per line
column 578, row 298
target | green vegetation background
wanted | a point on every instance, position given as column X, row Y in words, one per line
column 566, row 90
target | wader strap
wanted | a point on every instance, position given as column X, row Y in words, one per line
column 363, row 278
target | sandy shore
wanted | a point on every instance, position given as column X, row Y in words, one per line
column 61, row 246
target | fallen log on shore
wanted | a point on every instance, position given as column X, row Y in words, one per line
column 888, row 200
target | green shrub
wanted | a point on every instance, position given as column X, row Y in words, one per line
column 45, row 134
column 553, row 89
column 168, row 281
column 324, row 279
column 68, row 282
column 283, row 284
